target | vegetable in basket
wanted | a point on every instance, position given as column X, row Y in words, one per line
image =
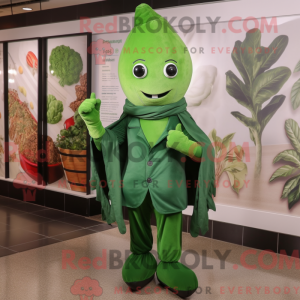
column 73, row 138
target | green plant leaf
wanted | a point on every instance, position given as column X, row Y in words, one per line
column 293, row 132
column 231, row 177
column 266, row 114
column 249, row 55
column 214, row 135
column 235, row 153
column 236, row 57
column 227, row 139
column 253, row 62
column 237, row 89
column 237, row 173
column 275, row 50
column 267, row 84
column 245, row 120
column 235, row 166
column 283, row 171
column 289, row 186
column 215, row 140
column 218, row 144
column 288, row 155
column 297, row 68
column 295, row 94
column 252, row 136
column 294, row 197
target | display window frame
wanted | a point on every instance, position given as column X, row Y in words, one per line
column 42, row 165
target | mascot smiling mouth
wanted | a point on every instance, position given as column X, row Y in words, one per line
column 156, row 96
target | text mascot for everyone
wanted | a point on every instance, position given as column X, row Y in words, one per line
column 154, row 159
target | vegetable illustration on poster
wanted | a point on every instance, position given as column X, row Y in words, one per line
column 259, row 84
column 66, row 89
column 232, row 104
column 2, row 159
column 23, row 108
column 216, row 109
column 291, row 189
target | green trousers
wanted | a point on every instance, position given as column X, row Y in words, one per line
column 169, row 231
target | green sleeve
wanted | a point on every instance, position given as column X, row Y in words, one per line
column 120, row 131
column 198, row 149
column 98, row 143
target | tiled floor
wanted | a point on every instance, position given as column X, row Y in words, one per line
column 49, row 272
column 57, row 250
column 25, row 226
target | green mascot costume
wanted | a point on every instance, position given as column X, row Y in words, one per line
column 154, row 159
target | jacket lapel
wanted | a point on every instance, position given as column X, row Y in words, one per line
column 173, row 121
column 135, row 123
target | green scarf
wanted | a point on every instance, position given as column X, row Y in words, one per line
column 155, row 112
column 107, row 165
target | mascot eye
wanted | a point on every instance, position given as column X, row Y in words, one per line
column 139, row 71
column 170, row 70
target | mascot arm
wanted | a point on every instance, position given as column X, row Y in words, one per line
column 89, row 110
column 181, row 141
column 120, row 130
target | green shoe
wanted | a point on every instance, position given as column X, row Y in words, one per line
column 178, row 278
column 139, row 270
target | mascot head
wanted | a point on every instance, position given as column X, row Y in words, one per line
column 155, row 67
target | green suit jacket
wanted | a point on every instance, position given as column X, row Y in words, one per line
column 159, row 169
column 127, row 167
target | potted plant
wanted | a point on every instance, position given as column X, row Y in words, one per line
column 71, row 143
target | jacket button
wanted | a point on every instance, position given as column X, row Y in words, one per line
column 149, row 180
column 150, row 163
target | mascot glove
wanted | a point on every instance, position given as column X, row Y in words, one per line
column 89, row 110
column 177, row 140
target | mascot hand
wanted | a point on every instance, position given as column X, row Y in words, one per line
column 89, row 110
column 177, row 140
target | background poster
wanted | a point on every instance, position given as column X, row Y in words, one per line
column 105, row 79
column 213, row 108
column 244, row 182
column 23, row 108
column 66, row 89
column 2, row 158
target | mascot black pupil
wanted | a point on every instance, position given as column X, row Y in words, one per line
column 171, row 70
column 139, row 71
